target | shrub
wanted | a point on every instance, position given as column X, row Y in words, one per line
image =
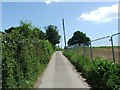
column 25, row 56
column 100, row 73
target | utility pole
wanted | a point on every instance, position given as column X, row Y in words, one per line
column 63, row 25
column 64, row 31
column 61, row 42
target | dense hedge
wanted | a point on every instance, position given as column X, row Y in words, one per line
column 99, row 73
column 25, row 56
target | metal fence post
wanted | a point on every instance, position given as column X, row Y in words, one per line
column 91, row 54
column 77, row 49
column 84, row 50
column 113, row 54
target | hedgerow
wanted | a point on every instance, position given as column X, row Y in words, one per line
column 24, row 56
column 99, row 73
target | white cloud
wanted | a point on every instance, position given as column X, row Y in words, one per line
column 49, row 1
column 101, row 15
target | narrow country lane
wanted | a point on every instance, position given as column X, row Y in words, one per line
column 60, row 74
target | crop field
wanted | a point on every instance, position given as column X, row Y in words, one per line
column 104, row 52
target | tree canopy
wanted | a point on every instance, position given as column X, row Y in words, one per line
column 52, row 34
column 28, row 30
column 78, row 38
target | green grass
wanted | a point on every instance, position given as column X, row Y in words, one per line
column 99, row 73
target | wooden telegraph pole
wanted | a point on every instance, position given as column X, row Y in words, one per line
column 64, row 31
column 63, row 24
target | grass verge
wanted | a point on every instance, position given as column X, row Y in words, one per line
column 99, row 73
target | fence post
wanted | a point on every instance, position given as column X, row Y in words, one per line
column 84, row 50
column 91, row 54
column 83, row 54
column 77, row 49
column 113, row 54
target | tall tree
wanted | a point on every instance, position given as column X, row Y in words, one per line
column 52, row 34
column 78, row 38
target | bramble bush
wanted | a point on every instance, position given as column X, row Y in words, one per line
column 25, row 55
column 99, row 73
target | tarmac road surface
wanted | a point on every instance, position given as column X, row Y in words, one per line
column 60, row 73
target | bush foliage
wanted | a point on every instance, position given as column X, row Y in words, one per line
column 99, row 73
column 25, row 56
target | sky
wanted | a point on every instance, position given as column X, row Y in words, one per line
column 96, row 19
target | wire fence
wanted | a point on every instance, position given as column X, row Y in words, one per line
column 105, row 47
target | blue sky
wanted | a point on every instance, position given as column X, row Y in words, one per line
column 96, row 19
